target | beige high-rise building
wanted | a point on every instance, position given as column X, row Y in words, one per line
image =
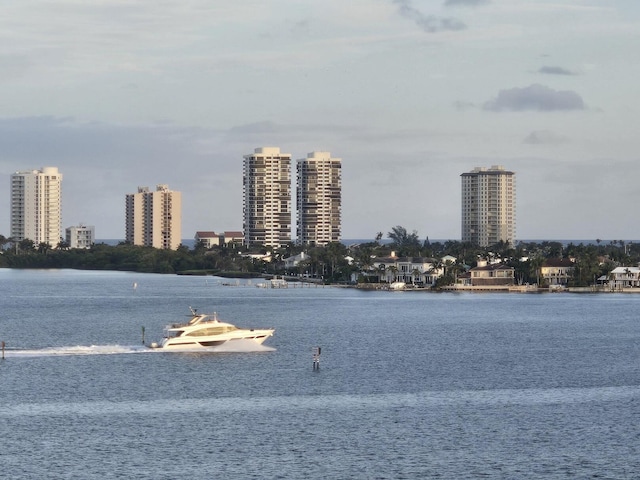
column 319, row 199
column 153, row 219
column 488, row 206
column 266, row 187
column 36, row 206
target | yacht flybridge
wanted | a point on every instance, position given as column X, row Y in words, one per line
column 206, row 332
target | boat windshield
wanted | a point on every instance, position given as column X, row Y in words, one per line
column 216, row 330
column 172, row 333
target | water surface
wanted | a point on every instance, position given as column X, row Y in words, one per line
column 411, row 384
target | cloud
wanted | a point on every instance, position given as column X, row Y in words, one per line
column 555, row 71
column 428, row 23
column 465, row 3
column 544, row 137
column 535, row 97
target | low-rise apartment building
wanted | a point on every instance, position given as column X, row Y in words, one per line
column 81, row 236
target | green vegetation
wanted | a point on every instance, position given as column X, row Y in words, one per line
column 128, row 257
column 334, row 263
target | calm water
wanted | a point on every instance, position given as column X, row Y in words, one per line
column 411, row 385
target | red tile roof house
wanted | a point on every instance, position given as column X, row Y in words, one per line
column 209, row 239
column 233, row 236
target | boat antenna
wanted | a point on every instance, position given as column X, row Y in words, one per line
column 194, row 311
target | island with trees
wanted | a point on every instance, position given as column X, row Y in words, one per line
column 335, row 263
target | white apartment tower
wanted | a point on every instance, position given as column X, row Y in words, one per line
column 488, row 206
column 318, row 199
column 36, row 210
column 266, row 187
column 153, row 219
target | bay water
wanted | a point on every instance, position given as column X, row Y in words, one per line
column 410, row 384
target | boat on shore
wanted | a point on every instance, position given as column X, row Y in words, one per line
column 397, row 286
column 205, row 331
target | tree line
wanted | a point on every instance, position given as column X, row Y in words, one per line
column 333, row 263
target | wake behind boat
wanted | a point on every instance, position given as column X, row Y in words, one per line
column 206, row 332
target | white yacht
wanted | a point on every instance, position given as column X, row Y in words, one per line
column 206, row 331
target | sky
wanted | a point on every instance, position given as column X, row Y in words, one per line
column 409, row 94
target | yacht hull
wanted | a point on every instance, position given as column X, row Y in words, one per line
column 213, row 344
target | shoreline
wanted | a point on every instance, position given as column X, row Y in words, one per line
column 496, row 289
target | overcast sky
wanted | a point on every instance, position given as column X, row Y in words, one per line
column 410, row 94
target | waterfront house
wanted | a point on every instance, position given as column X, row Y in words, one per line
column 293, row 261
column 557, row 271
column 419, row 271
column 492, row 275
column 624, row 277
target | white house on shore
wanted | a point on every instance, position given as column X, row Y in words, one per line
column 624, row 277
column 294, row 261
column 557, row 271
column 420, row 271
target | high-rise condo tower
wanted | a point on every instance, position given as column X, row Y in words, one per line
column 318, row 199
column 488, row 206
column 266, row 187
column 153, row 219
column 36, row 209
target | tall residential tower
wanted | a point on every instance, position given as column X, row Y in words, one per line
column 488, row 206
column 319, row 199
column 153, row 219
column 266, row 187
column 36, row 211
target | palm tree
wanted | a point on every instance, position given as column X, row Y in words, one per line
column 62, row 244
column 436, row 268
column 415, row 273
column 394, row 271
column 447, row 265
column 380, row 270
column 363, row 258
column 406, row 243
column 44, row 247
column 534, row 267
column 26, row 245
